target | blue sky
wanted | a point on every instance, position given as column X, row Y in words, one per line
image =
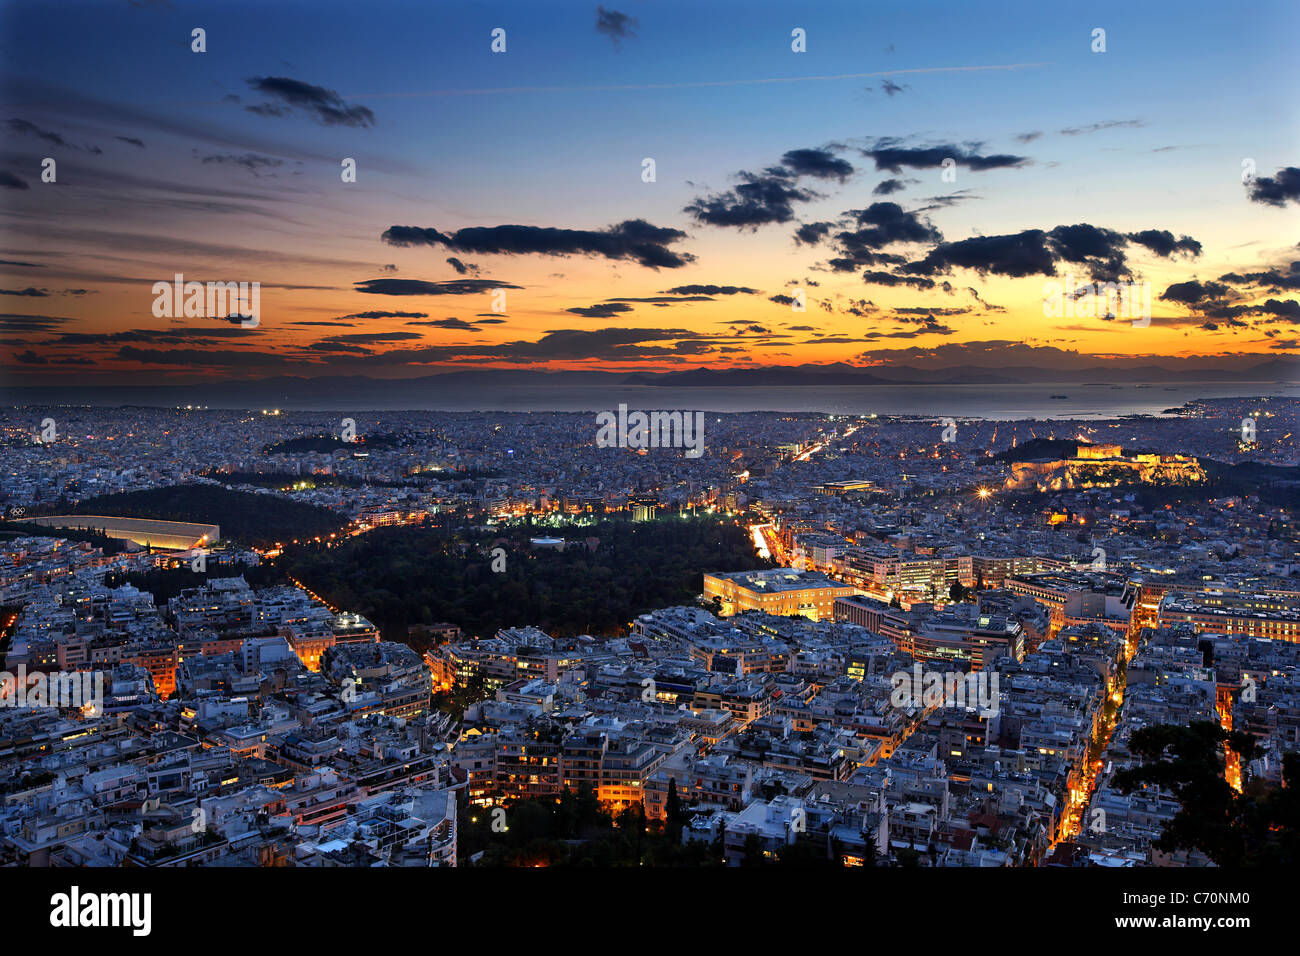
column 154, row 143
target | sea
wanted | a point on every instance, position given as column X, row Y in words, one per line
column 993, row 402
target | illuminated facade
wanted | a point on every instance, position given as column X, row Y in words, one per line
column 778, row 591
column 169, row 535
column 1250, row 615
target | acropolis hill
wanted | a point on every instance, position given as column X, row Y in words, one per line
column 1103, row 466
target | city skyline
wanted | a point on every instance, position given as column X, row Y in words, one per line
column 920, row 175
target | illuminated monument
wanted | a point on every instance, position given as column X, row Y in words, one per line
column 1104, row 466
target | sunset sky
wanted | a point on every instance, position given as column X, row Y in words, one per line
column 775, row 170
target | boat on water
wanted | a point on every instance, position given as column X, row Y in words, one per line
column 1060, row 396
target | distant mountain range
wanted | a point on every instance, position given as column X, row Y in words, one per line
column 1285, row 370
column 485, row 386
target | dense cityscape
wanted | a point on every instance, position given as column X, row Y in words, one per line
column 934, row 642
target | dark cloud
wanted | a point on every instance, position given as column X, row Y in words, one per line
column 1163, row 243
column 1274, row 279
column 250, row 161
column 757, row 201
column 925, row 328
column 862, row 308
column 1021, row 254
column 187, row 125
column 172, row 336
column 9, row 181
column 386, row 315
column 864, row 257
column 906, row 313
column 1037, row 252
column 617, row 26
column 811, row 233
column 633, row 239
column 449, row 323
column 216, row 358
column 987, row 306
column 234, row 318
column 1100, row 249
column 946, row 200
column 32, row 358
column 663, row 299
column 1276, row 190
column 18, row 322
column 1284, row 310
column 25, row 128
column 880, row 224
column 769, row 197
column 423, row 287
column 1193, row 292
column 710, row 290
column 131, row 140
column 462, row 268
column 890, row 155
column 326, row 106
column 888, row 187
column 1028, row 137
column 612, row 344
column 606, row 310
column 370, row 338
column 886, row 279
column 818, row 163
column 1098, row 127
column 29, row 292
column 336, row 347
